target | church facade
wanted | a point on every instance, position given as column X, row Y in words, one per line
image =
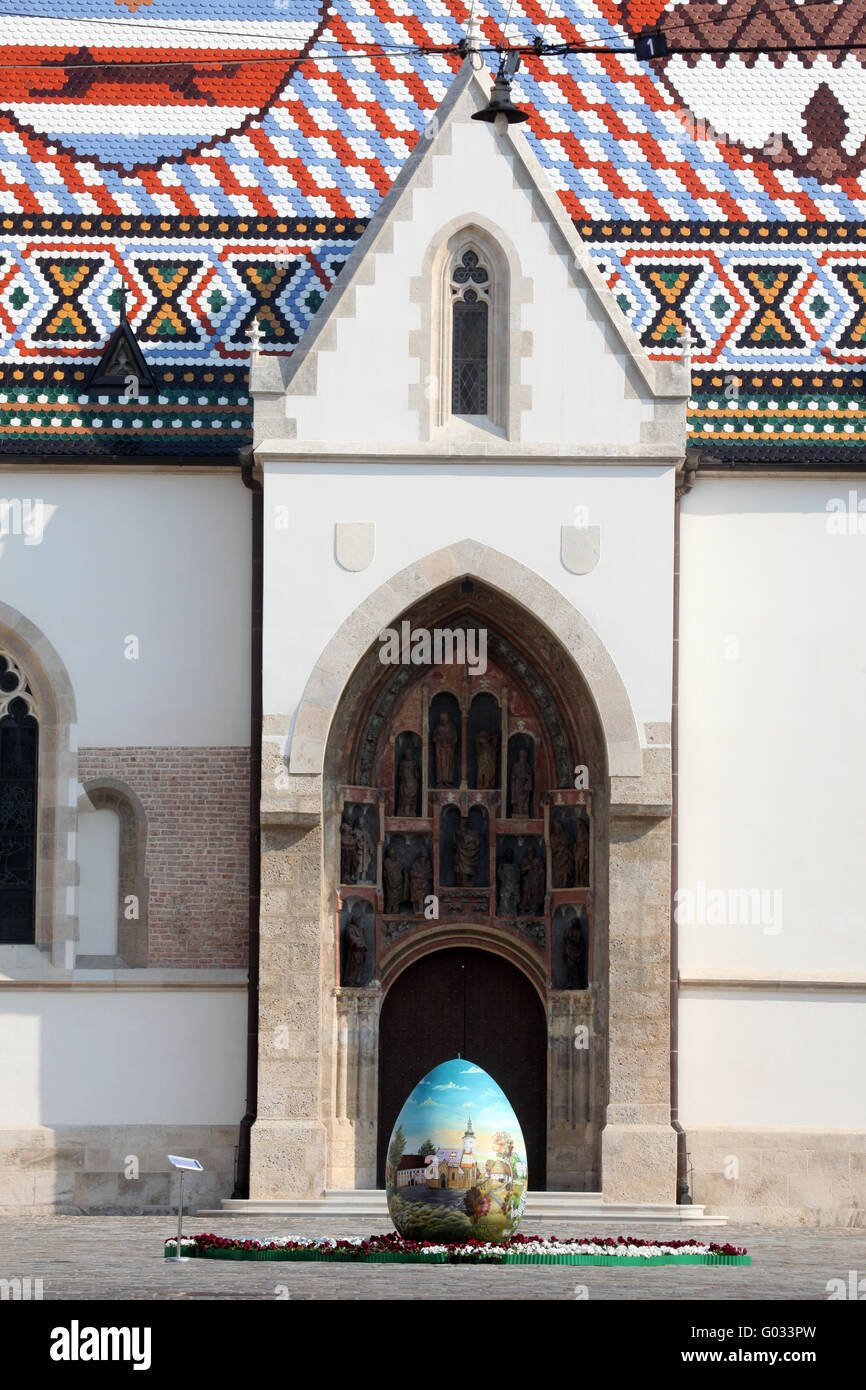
column 461, row 703
column 444, row 1168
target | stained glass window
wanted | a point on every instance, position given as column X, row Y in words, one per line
column 470, row 285
column 19, row 755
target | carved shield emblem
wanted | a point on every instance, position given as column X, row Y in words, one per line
column 354, row 544
column 580, row 548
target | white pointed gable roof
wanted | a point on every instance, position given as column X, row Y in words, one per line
column 278, row 385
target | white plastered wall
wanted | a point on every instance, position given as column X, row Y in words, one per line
column 768, row 1060
column 161, row 557
column 772, row 776
column 106, row 1057
column 419, row 508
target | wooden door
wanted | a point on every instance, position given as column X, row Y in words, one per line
column 477, row 1004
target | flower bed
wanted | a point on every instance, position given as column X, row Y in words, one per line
column 518, row 1250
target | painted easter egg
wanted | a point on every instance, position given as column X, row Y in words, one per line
column 456, row 1164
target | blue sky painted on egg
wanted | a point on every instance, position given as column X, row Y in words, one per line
column 438, row 1106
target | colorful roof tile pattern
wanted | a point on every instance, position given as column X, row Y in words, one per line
column 218, row 170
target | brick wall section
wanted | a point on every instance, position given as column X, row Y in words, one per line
column 197, row 806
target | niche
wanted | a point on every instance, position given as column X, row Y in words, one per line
column 358, row 839
column 407, row 873
column 464, row 848
column 483, row 742
column 357, row 950
column 521, row 875
column 563, row 835
column 521, row 777
column 570, row 948
column 407, row 775
column 444, row 738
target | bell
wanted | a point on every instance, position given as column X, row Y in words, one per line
column 500, row 104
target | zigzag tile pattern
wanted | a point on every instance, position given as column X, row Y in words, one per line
column 215, row 169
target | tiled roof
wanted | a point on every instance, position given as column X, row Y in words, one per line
column 220, row 173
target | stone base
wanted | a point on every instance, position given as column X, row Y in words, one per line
column 372, row 1206
column 572, row 1160
column 781, row 1177
column 639, row 1164
column 352, row 1154
column 111, row 1169
column 288, row 1159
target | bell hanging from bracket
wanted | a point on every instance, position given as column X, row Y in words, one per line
column 500, row 110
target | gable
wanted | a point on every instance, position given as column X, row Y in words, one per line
column 374, row 367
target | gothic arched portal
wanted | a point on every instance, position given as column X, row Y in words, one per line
column 466, row 796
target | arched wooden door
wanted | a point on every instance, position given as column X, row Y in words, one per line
column 477, row 1004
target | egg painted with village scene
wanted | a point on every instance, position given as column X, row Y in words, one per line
column 456, row 1162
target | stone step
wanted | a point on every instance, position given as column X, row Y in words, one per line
column 540, row 1206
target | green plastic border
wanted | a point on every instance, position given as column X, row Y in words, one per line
column 509, row 1257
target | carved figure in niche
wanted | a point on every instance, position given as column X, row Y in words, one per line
column 486, row 745
column 521, row 784
column 581, row 854
column 533, row 874
column 407, row 785
column 348, row 849
column 562, row 853
column 467, row 845
column 395, row 881
column 574, row 955
column 444, row 742
column 420, row 880
column 365, row 848
column 356, row 950
column 508, row 880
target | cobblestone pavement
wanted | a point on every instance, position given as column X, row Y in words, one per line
column 120, row 1257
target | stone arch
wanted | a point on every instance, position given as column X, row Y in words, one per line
column 57, row 814
column 530, row 625
column 112, row 794
column 470, row 935
column 356, row 635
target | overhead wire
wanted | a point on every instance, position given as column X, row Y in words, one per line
column 338, row 53
column 303, row 59
column 130, row 23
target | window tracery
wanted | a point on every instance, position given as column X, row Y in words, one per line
column 470, row 335
column 19, row 764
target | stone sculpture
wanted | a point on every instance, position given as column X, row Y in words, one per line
column 348, row 849
column 581, row 853
column 467, row 846
column 533, row 875
column 356, row 950
column 508, row 882
column 395, row 881
column 407, row 785
column 562, row 854
column 521, row 785
column 365, row 849
column 486, row 745
column 420, row 880
column 444, row 743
